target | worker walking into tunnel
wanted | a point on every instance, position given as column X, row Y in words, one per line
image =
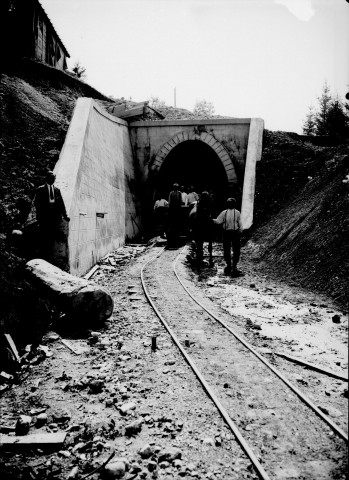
column 160, row 214
column 184, row 196
column 50, row 210
column 192, row 197
column 174, row 216
column 230, row 220
column 201, row 225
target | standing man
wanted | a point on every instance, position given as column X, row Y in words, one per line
column 174, row 215
column 192, row 197
column 50, row 210
column 231, row 222
column 184, row 196
column 160, row 214
column 201, row 222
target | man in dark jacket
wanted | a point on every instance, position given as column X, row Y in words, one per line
column 174, row 216
column 50, row 211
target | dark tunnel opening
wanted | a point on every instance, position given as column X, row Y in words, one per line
column 193, row 163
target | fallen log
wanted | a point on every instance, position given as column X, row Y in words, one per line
column 72, row 295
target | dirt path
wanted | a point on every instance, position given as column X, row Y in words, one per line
column 147, row 406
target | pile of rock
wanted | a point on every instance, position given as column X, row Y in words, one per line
column 121, row 256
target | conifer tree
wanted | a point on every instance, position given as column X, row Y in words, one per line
column 309, row 125
column 337, row 123
column 321, row 117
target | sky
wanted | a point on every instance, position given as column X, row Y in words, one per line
column 250, row 58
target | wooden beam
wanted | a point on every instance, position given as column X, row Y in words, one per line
column 77, row 349
column 91, row 272
column 12, row 346
column 133, row 112
column 35, row 440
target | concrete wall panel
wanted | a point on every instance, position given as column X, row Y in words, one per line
column 95, row 173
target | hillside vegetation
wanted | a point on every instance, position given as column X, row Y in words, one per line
column 301, row 222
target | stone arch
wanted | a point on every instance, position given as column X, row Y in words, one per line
column 205, row 137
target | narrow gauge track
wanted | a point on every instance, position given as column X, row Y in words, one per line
column 279, row 431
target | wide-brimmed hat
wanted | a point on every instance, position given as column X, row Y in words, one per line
column 231, row 201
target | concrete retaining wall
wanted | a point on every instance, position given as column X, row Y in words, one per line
column 95, row 173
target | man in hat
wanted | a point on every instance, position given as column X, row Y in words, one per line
column 174, row 215
column 230, row 220
column 50, row 210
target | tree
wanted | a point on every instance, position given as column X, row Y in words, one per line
column 337, row 123
column 79, row 70
column 155, row 102
column 309, row 125
column 203, row 108
column 330, row 120
column 321, row 117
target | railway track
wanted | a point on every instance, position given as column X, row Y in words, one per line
column 281, row 431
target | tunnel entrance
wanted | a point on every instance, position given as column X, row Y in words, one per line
column 193, row 162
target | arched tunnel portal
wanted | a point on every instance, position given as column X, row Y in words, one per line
column 195, row 163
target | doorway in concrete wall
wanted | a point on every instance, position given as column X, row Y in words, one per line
column 193, row 163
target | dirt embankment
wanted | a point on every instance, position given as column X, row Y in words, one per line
column 36, row 104
column 302, row 204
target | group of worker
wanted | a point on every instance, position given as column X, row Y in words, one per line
column 183, row 212
column 171, row 215
column 196, row 218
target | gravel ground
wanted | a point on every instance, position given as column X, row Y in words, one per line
column 119, row 395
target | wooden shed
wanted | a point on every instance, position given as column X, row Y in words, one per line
column 30, row 33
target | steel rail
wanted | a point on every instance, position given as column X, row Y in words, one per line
column 311, row 366
column 260, row 470
column 305, row 399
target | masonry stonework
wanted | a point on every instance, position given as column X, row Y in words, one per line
column 152, row 141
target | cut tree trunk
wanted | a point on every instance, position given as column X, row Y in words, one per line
column 72, row 295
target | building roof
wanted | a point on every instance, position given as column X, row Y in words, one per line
column 53, row 28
